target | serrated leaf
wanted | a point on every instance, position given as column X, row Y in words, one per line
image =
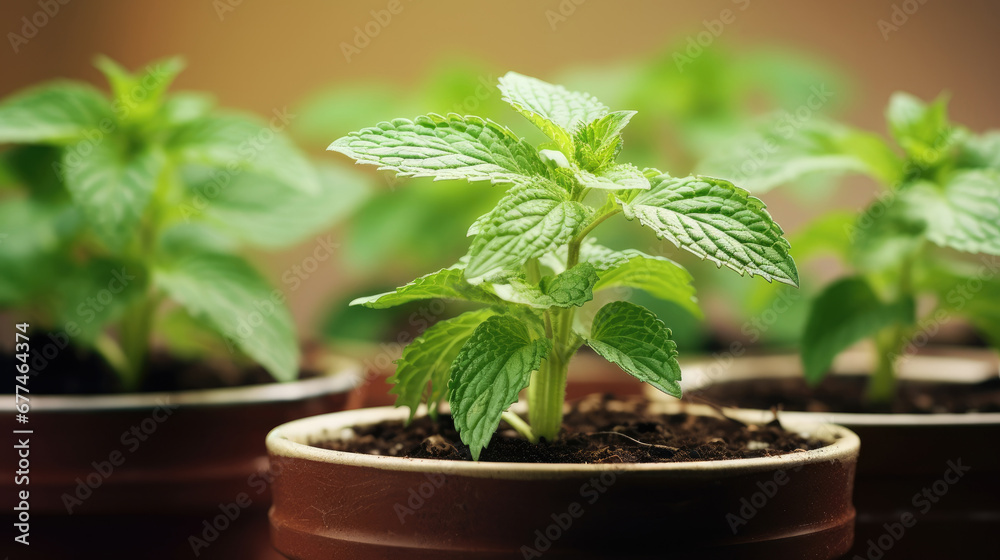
column 599, row 142
column 227, row 294
column 531, row 220
column 57, row 113
column 717, row 221
column 555, row 110
column 632, row 337
column 112, row 189
column 844, row 313
column 623, row 176
column 233, row 143
column 268, row 213
column 492, row 367
column 572, row 288
column 451, row 147
column 428, row 359
column 658, row 276
column 448, row 283
column 964, row 213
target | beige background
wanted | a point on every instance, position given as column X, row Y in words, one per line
column 262, row 55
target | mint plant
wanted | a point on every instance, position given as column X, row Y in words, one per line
column 938, row 207
column 532, row 262
column 121, row 217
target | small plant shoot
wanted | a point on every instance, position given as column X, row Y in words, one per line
column 939, row 207
column 125, row 214
column 533, row 261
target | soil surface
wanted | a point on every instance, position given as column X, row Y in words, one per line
column 598, row 429
column 847, row 394
column 74, row 372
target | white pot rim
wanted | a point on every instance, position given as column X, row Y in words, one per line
column 960, row 369
column 289, row 441
column 339, row 375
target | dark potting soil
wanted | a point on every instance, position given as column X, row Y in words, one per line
column 847, row 394
column 598, row 429
column 71, row 371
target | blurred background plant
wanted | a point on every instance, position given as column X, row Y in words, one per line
column 125, row 216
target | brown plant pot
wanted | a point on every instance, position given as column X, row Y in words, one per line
column 332, row 504
column 903, row 455
column 139, row 475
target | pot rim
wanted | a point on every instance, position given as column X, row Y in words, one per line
column 339, row 375
column 285, row 441
column 918, row 368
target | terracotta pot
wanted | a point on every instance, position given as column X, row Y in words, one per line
column 139, row 475
column 331, row 504
column 904, row 454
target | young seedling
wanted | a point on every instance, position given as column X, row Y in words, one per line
column 939, row 205
column 117, row 209
column 532, row 264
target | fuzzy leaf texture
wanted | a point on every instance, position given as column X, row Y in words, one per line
column 428, row 360
column 572, row 288
column 231, row 297
column 555, row 110
column 599, row 142
column 964, row 213
column 447, row 283
column 845, row 312
column 451, row 147
column 493, row 366
column 660, row 277
column 717, row 221
column 531, row 220
column 632, row 337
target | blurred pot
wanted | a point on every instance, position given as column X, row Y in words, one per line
column 952, row 456
column 149, row 475
column 331, row 504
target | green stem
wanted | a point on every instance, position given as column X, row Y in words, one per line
column 520, row 426
column 546, row 395
column 136, row 330
column 882, row 387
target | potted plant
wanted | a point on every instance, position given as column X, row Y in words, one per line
column 121, row 218
column 353, row 484
column 925, row 251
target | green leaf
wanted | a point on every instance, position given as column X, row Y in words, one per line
column 186, row 106
column 96, row 293
column 831, row 233
column 660, row 277
column 978, row 151
column 965, row 215
column 448, row 283
column 428, row 359
column 233, row 143
column 531, row 220
column 555, row 110
column 623, row 176
column 451, row 147
column 56, row 113
column 599, row 143
column 632, row 337
column 112, row 189
column 227, row 294
column 572, row 288
column 139, row 95
column 844, row 313
column 916, row 125
column 492, row 367
column 267, row 213
column 717, row 221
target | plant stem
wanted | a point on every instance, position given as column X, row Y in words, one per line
column 136, row 328
column 882, row 387
column 520, row 425
column 546, row 395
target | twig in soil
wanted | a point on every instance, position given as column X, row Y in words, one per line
column 667, row 447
